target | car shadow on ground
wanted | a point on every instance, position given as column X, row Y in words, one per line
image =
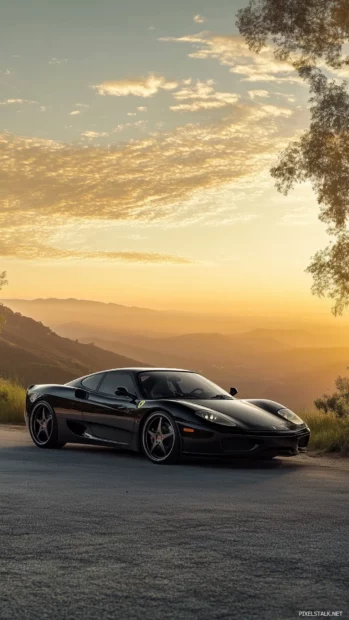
column 24, row 449
column 216, row 462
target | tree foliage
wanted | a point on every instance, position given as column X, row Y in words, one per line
column 3, row 280
column 304, row 31
column 338, row 402
column 311, row 35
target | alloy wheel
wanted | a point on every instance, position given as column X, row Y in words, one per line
column 41, row 425
column 159, row 437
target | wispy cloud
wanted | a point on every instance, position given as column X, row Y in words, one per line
column 74, row 113
column 94, row 134
column 299, row 216
column 202, row 96
column 34, row 251
column 57, row 61
column 255, row 94
column 47, row 185
column 267, row 94
column 199, row 19
column 17, row 102
column 139, row 87
column 142, row 125
column 233, row 52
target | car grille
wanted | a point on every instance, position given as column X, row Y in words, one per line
column 237, row 444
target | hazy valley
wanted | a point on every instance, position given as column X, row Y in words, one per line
column 292, row 363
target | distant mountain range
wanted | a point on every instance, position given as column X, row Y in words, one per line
column 292, row 365
column 33, row 353
column 93, row 317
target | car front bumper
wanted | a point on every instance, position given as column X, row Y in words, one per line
column 283, row 443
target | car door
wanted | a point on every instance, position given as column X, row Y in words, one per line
column 109, row 417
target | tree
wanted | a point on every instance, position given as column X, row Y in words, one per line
column 307, row 32
column 3, row 280
column 311, row 35
column 338, row 402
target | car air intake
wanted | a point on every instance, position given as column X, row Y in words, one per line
column 237, row 444
column 303, row 441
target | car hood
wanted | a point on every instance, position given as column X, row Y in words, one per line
column 245, row 414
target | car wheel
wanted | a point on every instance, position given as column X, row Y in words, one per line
column 43, row 427
column 160, row 438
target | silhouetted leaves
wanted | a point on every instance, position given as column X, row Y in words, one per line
column 338, row 402
column 330, row 271
column 3, row 280
column 321, row 155
column 301, row 31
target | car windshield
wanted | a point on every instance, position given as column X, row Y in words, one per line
column 177, row 384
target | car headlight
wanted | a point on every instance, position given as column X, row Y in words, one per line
column 290, row 416
column 216, row 418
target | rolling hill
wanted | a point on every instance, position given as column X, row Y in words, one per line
column 32, row 353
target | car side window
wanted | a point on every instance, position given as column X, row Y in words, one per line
column 115, row 379
column 92, row 382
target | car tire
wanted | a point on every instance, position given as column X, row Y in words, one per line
column 43, row 427
column 160, row 440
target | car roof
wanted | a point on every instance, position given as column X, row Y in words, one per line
column 135, row 370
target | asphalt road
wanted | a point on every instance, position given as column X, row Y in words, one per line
column 93, row 533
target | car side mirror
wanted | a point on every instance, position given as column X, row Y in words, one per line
column 233, row 391
column 122, row 391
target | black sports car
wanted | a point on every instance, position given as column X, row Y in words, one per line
column 162, row 412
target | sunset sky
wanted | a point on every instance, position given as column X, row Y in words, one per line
column 136, row 140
